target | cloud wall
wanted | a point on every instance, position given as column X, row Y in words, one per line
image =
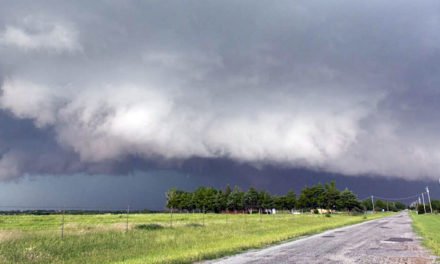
column 337, row 86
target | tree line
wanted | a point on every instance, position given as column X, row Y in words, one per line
column 421, row 209
column 319, row 196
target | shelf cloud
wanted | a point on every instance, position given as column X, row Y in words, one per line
column 338, row 86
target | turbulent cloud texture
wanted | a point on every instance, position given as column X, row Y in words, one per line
column 341, row 86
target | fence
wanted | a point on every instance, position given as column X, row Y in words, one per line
column 74, row 220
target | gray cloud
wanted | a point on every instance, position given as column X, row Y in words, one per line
column 330, row 85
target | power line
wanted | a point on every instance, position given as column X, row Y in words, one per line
column 397, row 199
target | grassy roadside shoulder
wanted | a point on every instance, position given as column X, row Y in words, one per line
column 428, row 227
column 185, row 242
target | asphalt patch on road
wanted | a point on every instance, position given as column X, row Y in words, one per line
column 403, row 223
column 329, row 236
column 399, row 239
column 385, row 227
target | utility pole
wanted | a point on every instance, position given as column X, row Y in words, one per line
column 429, row 198
column 388, row 209
column 372, row 202
column 423, row 199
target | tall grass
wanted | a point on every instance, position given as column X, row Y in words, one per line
column 150, row 238
column 428, row 226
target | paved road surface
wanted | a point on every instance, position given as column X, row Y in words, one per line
column 388, row 240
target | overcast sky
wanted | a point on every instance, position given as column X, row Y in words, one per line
column 111, row 87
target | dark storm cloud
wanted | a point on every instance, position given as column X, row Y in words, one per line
column 340, row 86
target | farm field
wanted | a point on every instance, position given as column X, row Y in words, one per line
column 151, row 238
column 428, row 226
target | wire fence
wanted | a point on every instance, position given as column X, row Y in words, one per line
column 63, row 222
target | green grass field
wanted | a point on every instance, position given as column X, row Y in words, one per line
column 150, row 237
column 428, row 226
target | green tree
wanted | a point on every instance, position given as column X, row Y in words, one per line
column 226, row 195
column 290, row 200
column 312, row 197
column 266, row 201
column 279, row 202
column 175, row 199
column 220, row 202
column 400, row 206
column 435, row 205
column 205, row 199
column 187, row 201
column 367, row 204
column 251, row 199
column 330, row 196
column 347, row 201
column 235, row 200
column 380, row 205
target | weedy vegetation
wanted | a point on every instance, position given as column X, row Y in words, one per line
column 153, row 238
column 428, row 226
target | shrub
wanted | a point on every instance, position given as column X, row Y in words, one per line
column 194, row 225
column 149, row 226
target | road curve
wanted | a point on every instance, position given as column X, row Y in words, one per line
column 388, row 240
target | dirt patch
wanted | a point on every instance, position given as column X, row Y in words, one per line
column 9, row 235
column 83, row 229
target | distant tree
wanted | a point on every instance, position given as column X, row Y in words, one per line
column 251, row 199
column 399, row 206
column 235, row 200
column 312, row 197
column 187, row 201
column 367, row 204
column 278, row 202
column 208, row 199
column 290, row 200
column 266, row 201
column 380, row 205
column 347, row 201
column 227, row 191
column 421, row 209
column 205, row 199
column 305, row 199
column 174, row 199
column 435, row 205
column 220, row 202
column 171, row 198
column 331, row 195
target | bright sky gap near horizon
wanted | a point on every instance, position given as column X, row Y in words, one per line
column 164, row 93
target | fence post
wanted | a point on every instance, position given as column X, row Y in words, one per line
column 126, row 223
column 171, row 218
column 245, row 217
column 62, row 225
column 259, row 212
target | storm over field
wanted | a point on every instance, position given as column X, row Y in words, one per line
column 334, row 86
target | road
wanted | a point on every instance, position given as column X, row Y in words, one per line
column 387, row 240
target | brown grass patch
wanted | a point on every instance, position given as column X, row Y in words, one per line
column 6, row 235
